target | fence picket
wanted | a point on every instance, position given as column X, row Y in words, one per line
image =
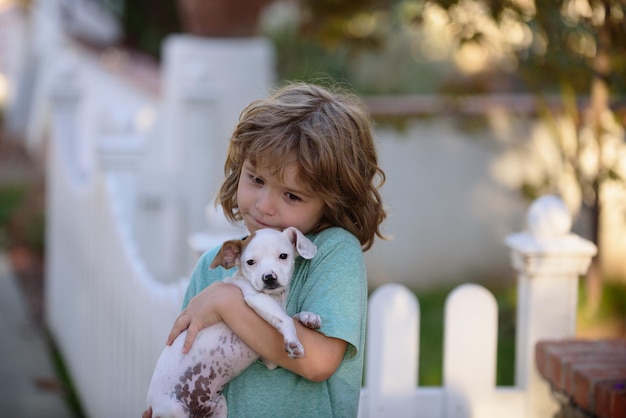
column 392, row 352
column 470, row 339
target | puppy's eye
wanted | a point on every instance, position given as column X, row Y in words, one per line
column 250, row 262
column 283, row 256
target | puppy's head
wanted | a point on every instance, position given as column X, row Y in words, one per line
column 266, row 258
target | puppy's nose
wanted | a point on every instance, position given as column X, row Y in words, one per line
column 270, row 280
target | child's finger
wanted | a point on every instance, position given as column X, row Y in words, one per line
column 181, row 324
column 192, row 331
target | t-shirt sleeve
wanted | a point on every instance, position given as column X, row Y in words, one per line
column 336, row 288
column 203, row 275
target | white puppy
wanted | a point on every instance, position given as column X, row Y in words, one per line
column 190, row 385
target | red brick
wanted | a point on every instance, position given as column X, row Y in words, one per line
column 610, row 399
column 585, row 377
column 548, row 351
column 610, row 361
column 554, row 358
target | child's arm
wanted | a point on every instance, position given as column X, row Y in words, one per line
column 225, row 302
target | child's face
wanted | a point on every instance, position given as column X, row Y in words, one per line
column 266, row 201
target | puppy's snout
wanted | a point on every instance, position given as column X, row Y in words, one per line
column 270, row 280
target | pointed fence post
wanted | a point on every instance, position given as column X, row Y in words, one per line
column 549, row 261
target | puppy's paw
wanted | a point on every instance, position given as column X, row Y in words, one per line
column 294, row 349
column 309, row 319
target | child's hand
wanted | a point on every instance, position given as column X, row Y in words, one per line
column 202, row 311
column 147, row 413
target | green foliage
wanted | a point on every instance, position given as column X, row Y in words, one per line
column 22, row 217
column 612, row 304
column 35, row 232
column 326, row 21
column 71, row 398
column 145, row 25
column 614, row 300
column 566, row 39
column 11, row 196
column 302, row 59
column 431, row 337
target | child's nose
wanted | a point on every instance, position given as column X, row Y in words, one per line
column 265, row 204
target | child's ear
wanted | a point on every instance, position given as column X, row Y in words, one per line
column 228, row 255
column 303, row 245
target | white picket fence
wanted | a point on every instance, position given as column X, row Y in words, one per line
column 114, row 234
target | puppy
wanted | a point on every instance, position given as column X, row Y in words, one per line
column 190, row 385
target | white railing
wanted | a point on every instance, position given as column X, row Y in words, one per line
column 549, row 260
column 110, row 303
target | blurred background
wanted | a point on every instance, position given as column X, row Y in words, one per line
column 479, row 106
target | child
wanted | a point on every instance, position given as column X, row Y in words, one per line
column 303, row 157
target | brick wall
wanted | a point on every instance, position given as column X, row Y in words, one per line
column 590, row 375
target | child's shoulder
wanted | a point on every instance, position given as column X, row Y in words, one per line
column 333, row 238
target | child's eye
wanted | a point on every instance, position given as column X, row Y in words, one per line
column 257, row 180
column 293, row 197
column 283, row 256
column 250, row 262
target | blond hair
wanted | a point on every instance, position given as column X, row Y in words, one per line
column 330, row 136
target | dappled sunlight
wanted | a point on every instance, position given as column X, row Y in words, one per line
column 363, row 24
column 483, row 48
column 558, row 158
column 603, row 157
column 539, row 162
column 582, row 43
column 471, row 58
column 575, row 9
column 432, row 40
column 484, row 42
column 514, row 32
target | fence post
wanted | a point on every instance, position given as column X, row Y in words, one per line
column 66, row 97
column 549, row 260
column 207, row 83
column 119, row 150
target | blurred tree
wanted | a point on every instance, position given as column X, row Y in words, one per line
column 579, row 47
column 356, row 23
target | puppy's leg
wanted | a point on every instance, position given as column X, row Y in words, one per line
column 309, row 319
column 221, row 408
column 268, row 309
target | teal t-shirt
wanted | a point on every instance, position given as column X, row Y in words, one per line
column 334, row 285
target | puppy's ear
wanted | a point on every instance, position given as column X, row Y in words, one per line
column 228, row 255
column 303, row 245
